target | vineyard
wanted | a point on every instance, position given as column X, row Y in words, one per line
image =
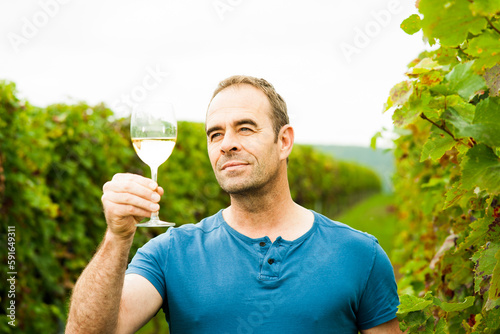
column 55, row 160
column 447, row 115
column 53, row 164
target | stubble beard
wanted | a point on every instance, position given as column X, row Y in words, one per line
column 250, row 185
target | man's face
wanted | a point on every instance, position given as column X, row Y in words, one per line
column 241, row 139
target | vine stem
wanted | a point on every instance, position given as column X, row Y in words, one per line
column 442, row 127
column 491, row 25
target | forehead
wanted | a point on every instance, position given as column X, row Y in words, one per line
column 239, row 101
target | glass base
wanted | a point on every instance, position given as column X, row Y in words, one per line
column 155, row 223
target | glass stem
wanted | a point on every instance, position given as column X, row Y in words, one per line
column 154, row 177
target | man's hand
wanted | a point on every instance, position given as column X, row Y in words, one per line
column 127, row 199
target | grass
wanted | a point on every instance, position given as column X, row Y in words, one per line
column 374, row 216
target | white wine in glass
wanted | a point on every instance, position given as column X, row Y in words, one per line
column 153, row 129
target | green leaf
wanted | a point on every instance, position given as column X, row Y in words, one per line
column 494, row 291
column 492, row 319
column 481, row 168
column 411, row 303
column 463, row 81
column 441, row 327
column 486, row 124
column 412, row 24
column 482, row 230
column 459, row 126
column 485, row 7
column 445, row 55
column 436, row 145
column 453, row 195
column 439, row 103
column 455, row 307
column 486, row 47
column 485, row 262
column 416, row 320
column 411, row 110
column 465, row 109
column 449, row 21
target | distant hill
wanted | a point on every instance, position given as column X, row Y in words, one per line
column 379, row 160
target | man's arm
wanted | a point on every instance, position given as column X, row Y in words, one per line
column 390, row 327
column 104, row 300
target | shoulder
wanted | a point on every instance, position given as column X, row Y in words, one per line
column 344, row 241
column 340, row 231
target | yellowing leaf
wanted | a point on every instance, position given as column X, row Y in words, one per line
column 492, row 78
column 424, row 66
column 411, row 25
column 486, row 47
column 494, row 291
column 453, row 195
column 401, row 92
column 485, row 262
column 436, row 145
column 485, row 7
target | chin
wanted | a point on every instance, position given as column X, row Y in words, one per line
column 241, row 189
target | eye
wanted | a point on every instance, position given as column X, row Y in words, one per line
column 215, row 136
column 245, row 130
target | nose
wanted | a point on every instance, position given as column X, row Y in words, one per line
column 230, row 143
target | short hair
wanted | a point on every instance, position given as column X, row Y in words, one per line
column 279, row 115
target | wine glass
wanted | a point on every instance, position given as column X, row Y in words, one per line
column 153, row 129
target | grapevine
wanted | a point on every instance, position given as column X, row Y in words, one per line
column 447, row 181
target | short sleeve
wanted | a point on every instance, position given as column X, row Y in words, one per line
column 150, row 262
column 379, row 302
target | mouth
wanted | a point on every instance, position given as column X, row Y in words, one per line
column 233, row 165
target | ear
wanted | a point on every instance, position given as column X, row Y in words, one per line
column 285, row 141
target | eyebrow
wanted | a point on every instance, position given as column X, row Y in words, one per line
column 237, row 123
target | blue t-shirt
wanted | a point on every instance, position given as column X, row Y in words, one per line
column 213, row 279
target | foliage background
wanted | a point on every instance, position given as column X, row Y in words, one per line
column 447, row 180
column 53, row 164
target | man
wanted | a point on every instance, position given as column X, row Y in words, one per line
column 262, row 265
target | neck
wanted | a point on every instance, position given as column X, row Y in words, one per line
column 269, row 213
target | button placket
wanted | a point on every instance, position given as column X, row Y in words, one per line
column 271, row 262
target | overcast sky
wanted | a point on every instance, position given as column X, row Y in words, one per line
column 334, row 62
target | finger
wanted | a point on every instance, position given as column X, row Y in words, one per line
column 160, row 191
column 132, row 187
column 127, row 199
column 144, row 181
column 121, row 210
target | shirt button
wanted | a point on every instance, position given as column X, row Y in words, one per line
column 262, row 244
column 270, row 261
